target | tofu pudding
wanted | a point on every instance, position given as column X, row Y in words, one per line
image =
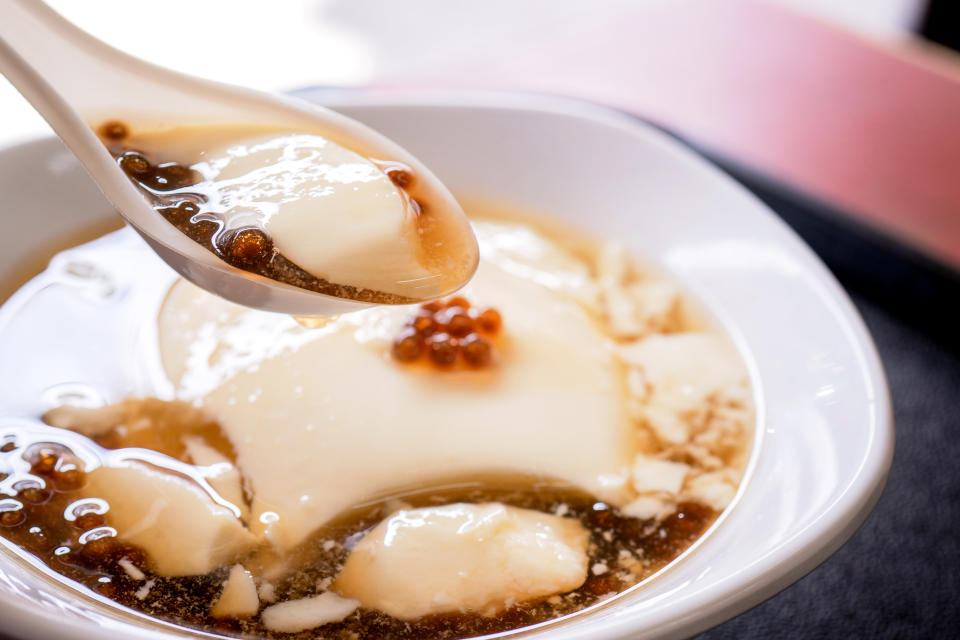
column 302, row 209
column 562, row 429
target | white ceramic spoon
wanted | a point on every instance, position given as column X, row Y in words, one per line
column 75, row 82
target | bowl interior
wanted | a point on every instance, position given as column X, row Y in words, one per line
column 824, row 435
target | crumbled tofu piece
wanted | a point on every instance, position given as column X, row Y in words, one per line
column 239, row 598
column 299, row 615
column 132, row 570
column 657, row 306
column 684, row 368
column 665, row 422
column 144, row 591
column 720, row 427
column 621, row 311
column 637, row 309
column 683, row 373
column 636, row 384
column 715, row 489
column 612, row 264
column 615, row 488
column 617, row 305
column 267, row 592
column 651, row 475
column 466, row 557
column 648, row 508
column 641, row 309
column 178, row 525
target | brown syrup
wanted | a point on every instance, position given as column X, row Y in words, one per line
column 630, row 549
column 38, row 516
column 43, row 510
column 158, row 425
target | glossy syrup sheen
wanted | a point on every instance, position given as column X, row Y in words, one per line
column 44, row 511
column 161, row 165
column 615, row 538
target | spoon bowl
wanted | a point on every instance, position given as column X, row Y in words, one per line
column 77, row 82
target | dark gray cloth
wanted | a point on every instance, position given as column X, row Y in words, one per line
column 899, row 575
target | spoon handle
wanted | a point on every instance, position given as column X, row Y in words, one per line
column 55, row 74
column 56, row 51
column 74, row 80
column 77, row 83
column 57, row 65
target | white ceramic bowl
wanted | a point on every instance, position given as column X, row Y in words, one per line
column 824, row 436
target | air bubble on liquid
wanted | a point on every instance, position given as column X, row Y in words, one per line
column 73, row 450
column 29, row 481
column 9, row 504
column 96, row 534
column 84, row 506
column 74, row 394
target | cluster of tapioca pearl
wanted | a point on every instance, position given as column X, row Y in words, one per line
column 245, row 248
column 166, row 176
column 447, row 332
column 45, row 514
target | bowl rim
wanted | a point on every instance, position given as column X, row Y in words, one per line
column 800, row 554
column 765, row 575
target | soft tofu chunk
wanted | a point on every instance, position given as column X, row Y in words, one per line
column 345, row 433
column 300, row 188
column 182, row 530
column 715, row 489
column 648, row 507
column 651, row 474
column 308, row 613
column 466, row 557
column 239, row 597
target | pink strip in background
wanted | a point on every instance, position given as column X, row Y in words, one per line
column 872, row 128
